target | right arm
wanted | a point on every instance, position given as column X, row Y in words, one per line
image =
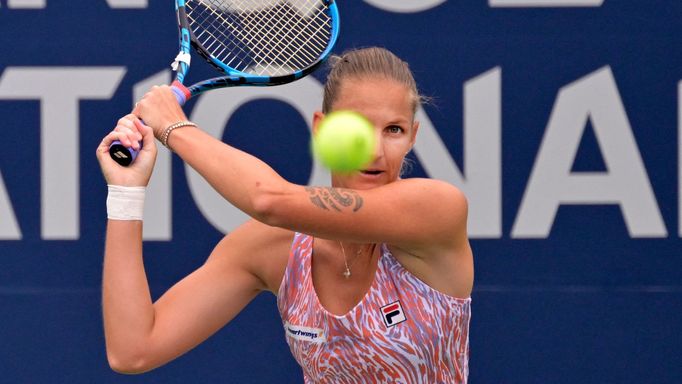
column 140, row 334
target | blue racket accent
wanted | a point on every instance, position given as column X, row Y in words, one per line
column 183, row 67
column 253, row 42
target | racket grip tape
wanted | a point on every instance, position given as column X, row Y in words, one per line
column 125, row 155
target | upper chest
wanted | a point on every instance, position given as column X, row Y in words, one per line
column 386, row 301
column 335, row 291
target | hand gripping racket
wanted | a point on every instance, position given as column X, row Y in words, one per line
column 252, row 42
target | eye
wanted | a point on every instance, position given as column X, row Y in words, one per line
column 395, row 129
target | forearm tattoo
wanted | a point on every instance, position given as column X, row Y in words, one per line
column 338, row 199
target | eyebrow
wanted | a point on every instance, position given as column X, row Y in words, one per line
column 400, row 121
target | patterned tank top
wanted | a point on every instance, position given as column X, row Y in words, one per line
column 402, row 331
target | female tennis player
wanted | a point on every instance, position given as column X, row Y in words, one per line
column 373, row 274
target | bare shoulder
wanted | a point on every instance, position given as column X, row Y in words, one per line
column 442, row 207
column 445, row 262
column 260, row 249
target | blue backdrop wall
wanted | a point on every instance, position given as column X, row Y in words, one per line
column 558, row 118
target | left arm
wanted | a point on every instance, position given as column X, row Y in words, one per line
column 410, row 213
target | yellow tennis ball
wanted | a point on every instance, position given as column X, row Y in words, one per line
column 344, row 141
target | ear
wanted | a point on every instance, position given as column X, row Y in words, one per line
column 317, row 119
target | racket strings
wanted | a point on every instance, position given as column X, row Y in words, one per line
column 280, row 30
column 271, row 28
column 208, row 28
column 291, row 54
column 266, row 37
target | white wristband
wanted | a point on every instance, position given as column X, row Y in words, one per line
column 125, row 203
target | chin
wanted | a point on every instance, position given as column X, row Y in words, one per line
column 362, row 180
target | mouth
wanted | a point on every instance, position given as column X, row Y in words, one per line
column 371, row 172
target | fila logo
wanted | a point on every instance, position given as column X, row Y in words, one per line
column 393, row 314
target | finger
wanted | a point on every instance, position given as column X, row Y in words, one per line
column 133, row 127
column 102, row 149
column 126, row 137
column 114, row 136
column 126, row 121
column 147, row 135
column 130, row 137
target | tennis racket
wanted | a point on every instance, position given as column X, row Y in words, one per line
column 252, row 42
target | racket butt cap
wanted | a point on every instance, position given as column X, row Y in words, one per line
column 121, row 154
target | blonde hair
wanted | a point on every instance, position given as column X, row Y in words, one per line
column 367, row 63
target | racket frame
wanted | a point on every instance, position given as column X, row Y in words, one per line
column 234, row 77
column 125, row 156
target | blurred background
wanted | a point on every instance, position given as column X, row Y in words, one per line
column 558, row 118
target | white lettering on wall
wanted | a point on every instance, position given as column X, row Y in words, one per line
column 625, row 182
column 133, row 4
column 405, row 6
column 59, row 91
column 593, row 98
column 213, row 110
column 9, row 229
column 544, row 3
column 482, row 180
column 397, row 6
column 26, row 4
column 40, row 4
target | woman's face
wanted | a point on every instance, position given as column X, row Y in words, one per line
column 388, row 105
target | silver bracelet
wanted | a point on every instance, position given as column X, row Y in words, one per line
column 166, row 133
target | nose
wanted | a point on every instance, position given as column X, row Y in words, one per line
column 378, row 144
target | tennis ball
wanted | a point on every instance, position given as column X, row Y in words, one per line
column 344, row 141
